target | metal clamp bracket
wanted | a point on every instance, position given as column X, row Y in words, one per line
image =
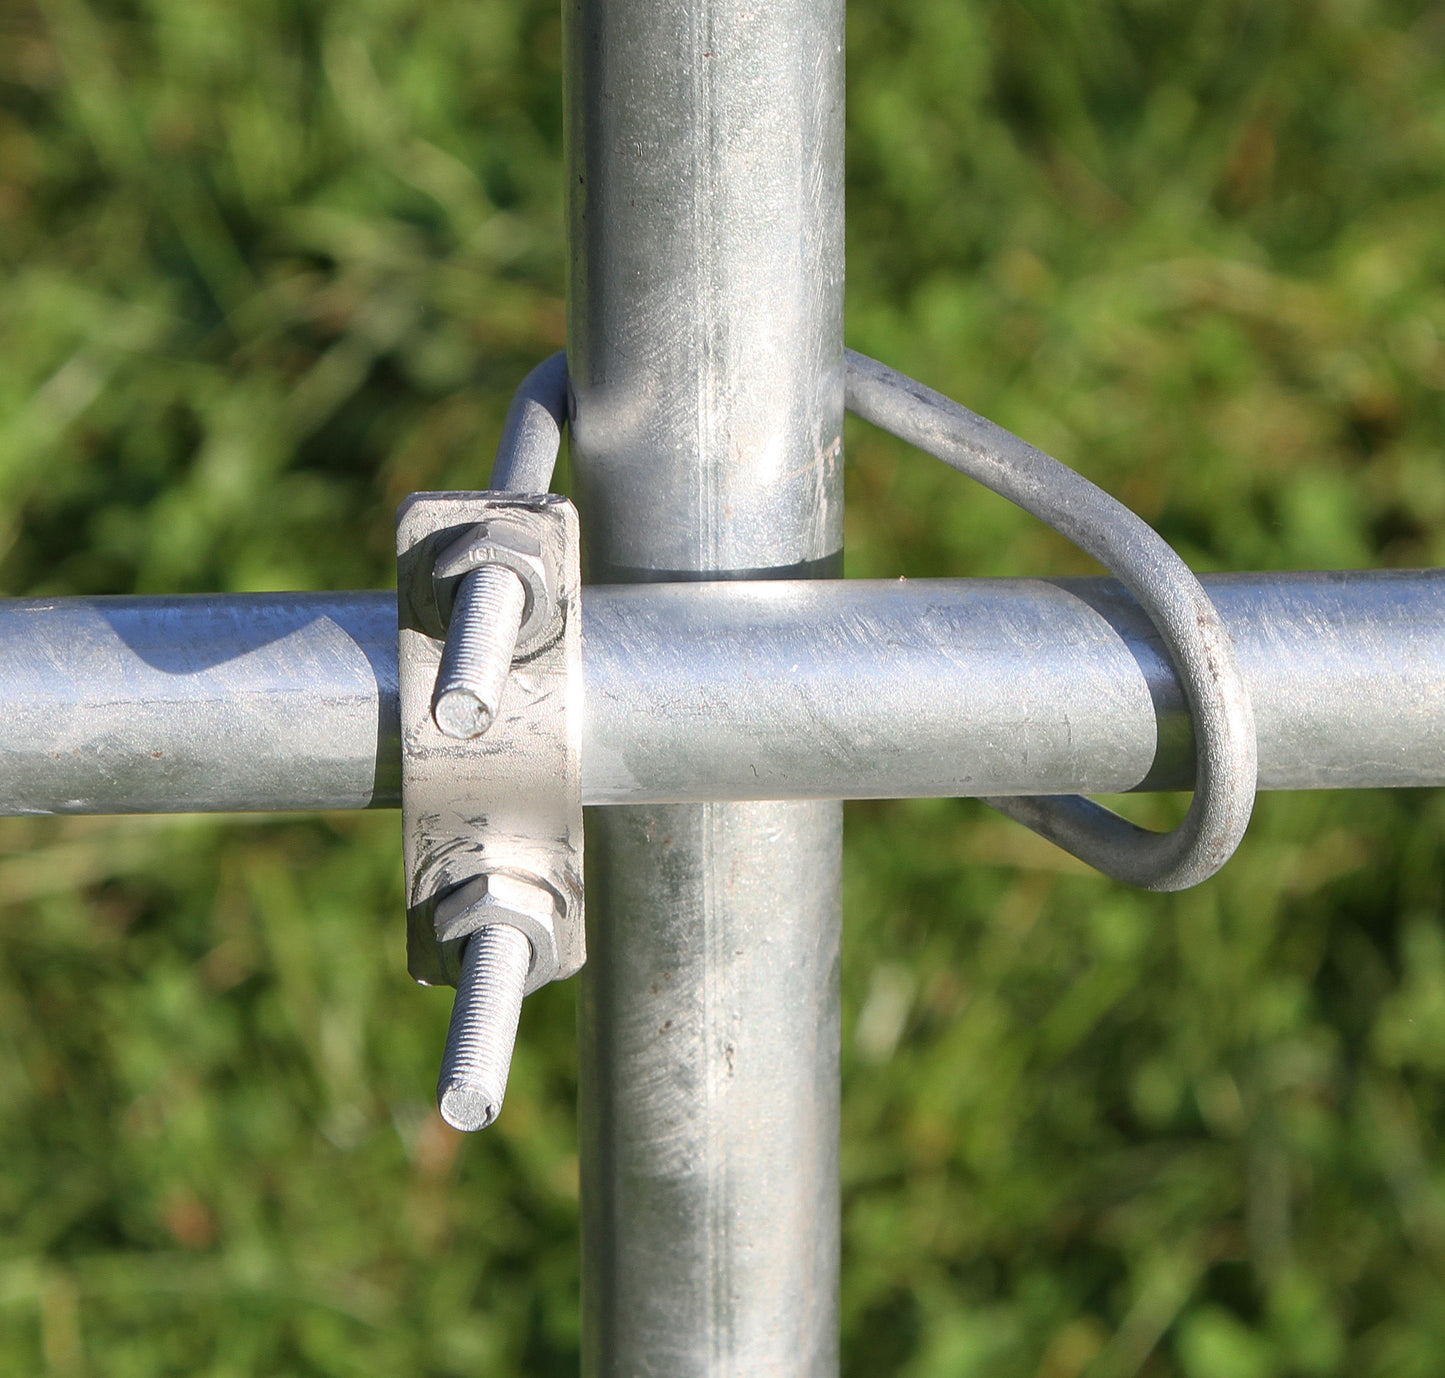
column 492, row 824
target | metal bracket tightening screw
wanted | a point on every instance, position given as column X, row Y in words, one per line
column 510, row 949
column 483, row 1031
column 481, row 640
column 496, row 590
column 489, row 662
column 488, row 610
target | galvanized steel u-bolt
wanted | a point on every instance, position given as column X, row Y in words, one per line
column 481, row 640
column 501, row 595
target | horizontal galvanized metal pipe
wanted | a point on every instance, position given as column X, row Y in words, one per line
column 206, row 703
column 807, row 689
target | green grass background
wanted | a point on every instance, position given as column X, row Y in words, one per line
column 268, row 265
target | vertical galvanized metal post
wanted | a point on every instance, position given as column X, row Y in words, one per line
column 705, row 347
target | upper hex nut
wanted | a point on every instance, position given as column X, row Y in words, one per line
column 505, row 542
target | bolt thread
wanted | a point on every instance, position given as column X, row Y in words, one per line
column 483, row 1032
column 477, row 657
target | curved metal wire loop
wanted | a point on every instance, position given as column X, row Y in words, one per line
column 532, row 434
column 1226, row 766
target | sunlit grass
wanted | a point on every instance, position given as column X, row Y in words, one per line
column 268, row 267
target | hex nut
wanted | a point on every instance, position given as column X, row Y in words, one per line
column 500, row 897
column 499, row 541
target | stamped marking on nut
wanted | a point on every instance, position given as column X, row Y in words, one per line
column 498, row 542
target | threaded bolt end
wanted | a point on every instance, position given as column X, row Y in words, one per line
column 483, row 1032
column 477, row 657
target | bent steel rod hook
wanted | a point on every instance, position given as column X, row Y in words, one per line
column 1166, row 588
column 532, row 433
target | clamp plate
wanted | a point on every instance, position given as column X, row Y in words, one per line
column 510, row 801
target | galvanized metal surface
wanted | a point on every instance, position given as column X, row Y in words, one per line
column 483, row 1029
column 1222, row 718
column 501, row 596
column 705, row 345
column 477, row 657
column 709, row 1046
column 705, row 325
column 532, row 432
column 199, row 704
column 507, row 802
column 798, row 689
column 872, row 689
